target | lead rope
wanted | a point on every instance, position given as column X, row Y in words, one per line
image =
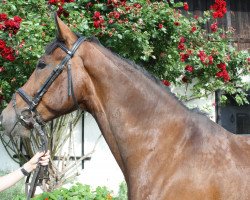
column 40, row 170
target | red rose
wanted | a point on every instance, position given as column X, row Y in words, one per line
column 214, row 27
column 97, row 14
column 166, row 82
column 182, row 40
column 248, row 60
column 223, row 74
column 97, row 23
column 2, row 45
column 185, row 6
column 6, row 50
column 52, row 2
column 137, row 5
column 101, row 19
column 222, row 66
column 210, row 59
column 183, row 57
column 11, row 24
column 17, row 19
column 127, row 8
column 202, row 55
column 3, row 17
column 10, row 57
column 60, row 11
column 219, row 8
column 181, row 46
column 116, row 14
column 8, row 53
column 160, row 26
column 193, row 29
column 189, row 68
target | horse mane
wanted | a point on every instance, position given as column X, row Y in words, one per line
column 137, row 67
column 147, row 74
column 55, row 43
column 131, row 63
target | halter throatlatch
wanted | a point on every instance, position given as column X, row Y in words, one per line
column 34, row 119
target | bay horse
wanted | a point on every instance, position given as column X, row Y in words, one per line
column 165, row 150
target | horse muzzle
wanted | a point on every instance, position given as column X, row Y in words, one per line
column 9, row 124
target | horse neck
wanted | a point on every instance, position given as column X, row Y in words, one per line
column 128, row 106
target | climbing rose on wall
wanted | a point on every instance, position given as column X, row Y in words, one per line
column 185, row 6
column 151, row 33
column 166, row 82
column 189, row 68
column 219, row 8
column 214, row 27
column 60, row 3
column 11, row 26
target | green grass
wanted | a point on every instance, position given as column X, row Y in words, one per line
column 16, row 192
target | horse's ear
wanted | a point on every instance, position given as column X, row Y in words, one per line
column 63, row 32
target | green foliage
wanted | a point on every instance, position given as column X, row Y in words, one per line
column 123, row 192
column 75, row 192
column 28, row 43
column 172, row 46
column 79, row 191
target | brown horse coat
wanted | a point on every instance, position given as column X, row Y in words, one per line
column 165, row 151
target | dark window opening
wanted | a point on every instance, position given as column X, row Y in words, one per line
column 233, row 117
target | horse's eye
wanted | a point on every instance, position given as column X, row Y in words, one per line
column 41, row 65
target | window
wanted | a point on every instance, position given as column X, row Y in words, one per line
column 232, row 117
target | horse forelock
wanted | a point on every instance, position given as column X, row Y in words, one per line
column 52, row 46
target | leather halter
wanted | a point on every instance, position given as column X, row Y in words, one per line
column 35, row 120
column 33, row 102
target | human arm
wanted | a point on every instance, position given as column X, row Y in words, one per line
column 13, row 177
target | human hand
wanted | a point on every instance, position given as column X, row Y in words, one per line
column 40, row 157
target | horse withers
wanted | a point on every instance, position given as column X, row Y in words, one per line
column 165, row 151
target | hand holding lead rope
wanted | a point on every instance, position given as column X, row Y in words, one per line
column 40, row 170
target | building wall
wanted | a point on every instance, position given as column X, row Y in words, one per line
column 102, row 169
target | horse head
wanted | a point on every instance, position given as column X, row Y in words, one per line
column 55, row 87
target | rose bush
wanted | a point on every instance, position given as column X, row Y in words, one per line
column 170, row 43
